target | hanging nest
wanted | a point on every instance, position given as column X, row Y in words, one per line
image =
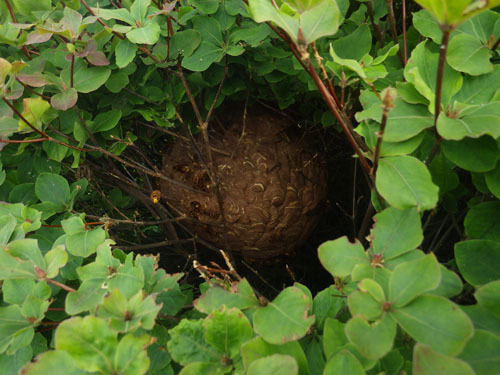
column 272, row 183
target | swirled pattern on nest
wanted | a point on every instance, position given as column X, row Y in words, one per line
column 272, row 180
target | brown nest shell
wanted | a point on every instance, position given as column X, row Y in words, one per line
column 272, row 181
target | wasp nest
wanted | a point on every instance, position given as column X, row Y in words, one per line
column 272, row 184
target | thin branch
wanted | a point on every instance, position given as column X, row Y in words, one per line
column 333, row 107
column 13, row 16
column 36, row 140
column 216, row 99
column 60, row 285
column 495, row 46
column 322, row 69
column 392, row 23
column 387, row 105
column 405, row 47
column 72, row 71
column 153, row 245
column 31, row 90
column 135, row 222
column 371, row 14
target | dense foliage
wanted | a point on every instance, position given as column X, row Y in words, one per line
column 91, row 89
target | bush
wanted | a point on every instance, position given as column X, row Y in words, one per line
column 92, row 90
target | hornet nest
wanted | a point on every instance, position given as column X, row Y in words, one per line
column 272, row 181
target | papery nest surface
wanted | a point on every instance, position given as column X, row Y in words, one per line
column 272, row 182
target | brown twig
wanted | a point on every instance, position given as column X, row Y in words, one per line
column 153, row 245
column 324, row 74
column 405, row 47
column 31, row 90
column 336, row 112
column 387, row 105
column 392, row 23
column 371, row 14
column 13, row 16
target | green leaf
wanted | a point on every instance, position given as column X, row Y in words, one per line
column 450, row 284
column 396, row 232
column 129, row 279
column 12, row 364
column 124, row 53
column 443, row 174
column 435, row 321
column 64, row 100
column 276, row 364
column 34, row 108
column 482, row 222
column 27, row 7
column 478, row 90
column 321, row 19
column 429, row 362
column 54, row 362
column 372, row 340
column 34, row 309
column 206, row 6
column 478, row 261
column 106, row 120
column 488, row 296
column 262, row 11
column 482, row 352
column 85, row 243
column 127, row 316
column 327, row 303
column 138, row 10
column 210, row 49
column 187, row 343
column 334, row 337
column 354, row 45
column 89, row 342
column 340, row 256
column 455, row 12
column 258, row 348
column 427, row 25
column 73, row 225
column 116, row 82
column 55, row 259
column 472, row 122
column 12, row 267
column 411, row 279
column 403, row 122
column 120, row 14
column 16, row 291
column 8, row 126
column 55, row 151
column 473, row 154
column 240, row 296
column 87, row 297
column 365, row 305
column 88, row 79
column 71, row 21
column 467, row 54
column 131, row 357
column 285, row 318
column 148, row 34
column 493, row 180
column 421, row 72
column 12, row 325
column 404, row 181
column 7, row 225
column 227, row 329
column 344, row 362
column 184, row 43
